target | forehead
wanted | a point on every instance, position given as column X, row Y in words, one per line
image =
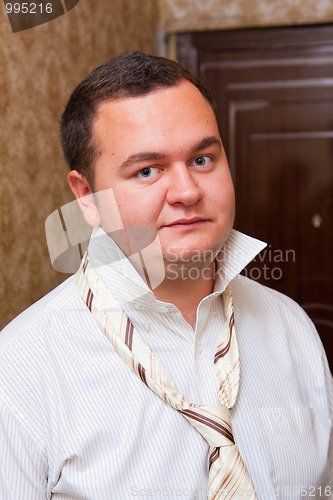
column 161, row 120
column 183, row 98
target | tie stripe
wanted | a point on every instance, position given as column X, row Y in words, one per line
column 214, row 455
column 142, row 374
column 227, row 471
column 216, row 426
column 222, row 350
column 89, row 300
column 129, row 334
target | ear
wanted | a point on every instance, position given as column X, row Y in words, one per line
column 84, row 195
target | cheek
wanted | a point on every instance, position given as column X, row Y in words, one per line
column 138, row 208
column 222, row 195
column 126, row 211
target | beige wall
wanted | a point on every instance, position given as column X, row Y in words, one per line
column 191, row 15
column 38, row 70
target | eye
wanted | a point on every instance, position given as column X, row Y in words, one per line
column 147, row 172
column 202, row 161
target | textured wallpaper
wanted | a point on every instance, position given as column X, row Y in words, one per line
column 39, row 68
column 188, row 15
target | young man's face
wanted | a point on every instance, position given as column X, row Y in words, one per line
column 163, row 158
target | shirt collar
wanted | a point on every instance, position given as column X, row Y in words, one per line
column 237, row 253
column 128, row 286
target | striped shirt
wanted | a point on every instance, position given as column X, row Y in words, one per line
column 76, row 423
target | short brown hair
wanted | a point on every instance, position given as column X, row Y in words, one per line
column 127, row 75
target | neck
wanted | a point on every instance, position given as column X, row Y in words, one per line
column 185, row 287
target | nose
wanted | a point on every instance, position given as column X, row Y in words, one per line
column 183, row 186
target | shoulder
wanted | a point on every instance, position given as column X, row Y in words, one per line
column 40, row 348
column 253, row 298
column 44, row 315
column 275, row 322
column 25, row 362
column 281, row 352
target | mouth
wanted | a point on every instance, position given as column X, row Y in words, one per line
column 190, row 223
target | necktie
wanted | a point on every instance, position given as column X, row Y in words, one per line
column 228, row 475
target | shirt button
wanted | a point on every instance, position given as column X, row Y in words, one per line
column 276, row 415
column 200, row 349
column 146, row 326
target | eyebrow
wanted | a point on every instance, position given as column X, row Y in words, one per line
column 141, row 157
column 150, row 156
column 206, row 143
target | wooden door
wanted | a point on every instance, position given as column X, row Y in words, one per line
column 274, row 91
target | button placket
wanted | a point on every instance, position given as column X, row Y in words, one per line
column 200, row 348
column 276, row 415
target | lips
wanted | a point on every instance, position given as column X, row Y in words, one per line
column 186, row 222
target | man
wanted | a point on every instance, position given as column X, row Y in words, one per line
column 111, row 386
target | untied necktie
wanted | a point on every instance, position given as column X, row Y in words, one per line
column 228, row 475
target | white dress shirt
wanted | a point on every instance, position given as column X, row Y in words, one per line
column 76, row 423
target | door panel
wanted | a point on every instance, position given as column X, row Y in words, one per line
column 274, row 91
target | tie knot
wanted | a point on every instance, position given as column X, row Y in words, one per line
column 213, row 423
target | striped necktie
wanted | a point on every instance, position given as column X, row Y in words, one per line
column 228, row 475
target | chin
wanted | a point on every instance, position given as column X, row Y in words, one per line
column 195, row 254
